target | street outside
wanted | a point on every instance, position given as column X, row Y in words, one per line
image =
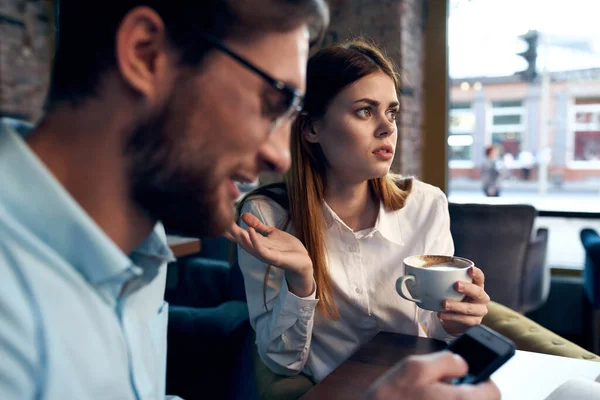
column 564, row 246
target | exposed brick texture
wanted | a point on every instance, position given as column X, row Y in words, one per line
column 395, row 25
column 24, row 57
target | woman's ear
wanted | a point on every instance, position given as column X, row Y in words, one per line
column 308, row 130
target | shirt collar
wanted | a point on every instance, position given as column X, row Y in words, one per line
column 388, row 223
column 36, row 199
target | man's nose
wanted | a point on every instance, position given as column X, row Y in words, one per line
column 275, row 153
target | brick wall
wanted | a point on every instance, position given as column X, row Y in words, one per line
column 396, row 25
column 24, row 57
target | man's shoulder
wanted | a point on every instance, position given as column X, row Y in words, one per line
column 17, row 301
column 13, row 258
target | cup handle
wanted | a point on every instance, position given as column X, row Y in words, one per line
column 403, row 290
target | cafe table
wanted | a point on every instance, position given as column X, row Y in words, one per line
column 352, row 378
column 183, row 246
column 527, row 375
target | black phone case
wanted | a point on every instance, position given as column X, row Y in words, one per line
column 485, row 374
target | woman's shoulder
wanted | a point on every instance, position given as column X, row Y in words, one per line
column 424, row 192
column 270, row 205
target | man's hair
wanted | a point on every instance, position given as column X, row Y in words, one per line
column 86, row 32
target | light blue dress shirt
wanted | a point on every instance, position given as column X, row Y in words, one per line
column 79, row 319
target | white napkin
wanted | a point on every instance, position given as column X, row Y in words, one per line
column 576, row 389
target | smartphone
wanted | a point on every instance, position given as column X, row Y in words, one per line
column 484, row 350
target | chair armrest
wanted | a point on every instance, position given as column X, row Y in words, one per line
column 591, row 284
column 535, row 286
column 530, row 336
column 271, row 386
column 198, row 282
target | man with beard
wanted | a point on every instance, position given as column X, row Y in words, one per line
column 155, row 108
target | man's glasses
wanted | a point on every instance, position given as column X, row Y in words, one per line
column 291, row 98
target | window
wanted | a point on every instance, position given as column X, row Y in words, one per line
column 549, row 147
column 507, row 104
column 460, row 138
column 587, row 131
column 507, row 119
column 508, row 126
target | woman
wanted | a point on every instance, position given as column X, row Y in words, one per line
column 321, row 253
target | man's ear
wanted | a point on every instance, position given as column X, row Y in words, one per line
column 308, row 129
column 141, row 51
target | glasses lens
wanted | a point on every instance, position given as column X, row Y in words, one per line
column 292, row 111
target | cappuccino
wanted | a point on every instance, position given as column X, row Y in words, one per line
column 443, row 267
column 430, row 279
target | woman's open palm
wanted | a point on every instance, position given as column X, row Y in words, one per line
column 271, row 245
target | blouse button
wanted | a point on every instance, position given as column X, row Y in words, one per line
column 353, row 248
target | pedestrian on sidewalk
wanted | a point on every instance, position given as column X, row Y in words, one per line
column 490, row 175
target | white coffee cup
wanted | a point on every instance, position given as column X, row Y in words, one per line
column 429, row 279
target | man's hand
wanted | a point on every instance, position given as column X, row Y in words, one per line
column 277, row 248
column 423, row 378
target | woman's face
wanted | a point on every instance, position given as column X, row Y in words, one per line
column 358, row 132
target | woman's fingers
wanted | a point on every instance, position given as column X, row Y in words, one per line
column 241, row 237
column 468, row 320
column 229, row 237
column 475, row 293
column 466, row 308
column 478, row 276
column 257, row 243
column 255, row 223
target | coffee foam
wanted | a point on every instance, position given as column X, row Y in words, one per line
column 444, row 267
column 431, row 261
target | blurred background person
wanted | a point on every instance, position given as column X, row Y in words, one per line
column 490, row 174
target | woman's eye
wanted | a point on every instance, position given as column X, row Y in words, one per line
column 392, row 114
column 364, row 112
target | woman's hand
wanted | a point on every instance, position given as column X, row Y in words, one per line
column 277, row 248
column 460, row 315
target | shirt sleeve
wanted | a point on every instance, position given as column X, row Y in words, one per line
column 442, row 245
column 19, row 343
column 283, row 321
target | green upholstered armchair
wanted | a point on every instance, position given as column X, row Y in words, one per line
column 530, row 336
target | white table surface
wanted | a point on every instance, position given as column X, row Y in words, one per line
column 533, row 376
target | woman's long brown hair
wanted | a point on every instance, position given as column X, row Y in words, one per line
column 330, row 70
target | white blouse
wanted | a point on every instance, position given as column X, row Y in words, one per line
column 364, row 266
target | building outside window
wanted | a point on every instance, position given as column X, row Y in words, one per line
column 460, row 137
column 587, row 131
column 508, row 126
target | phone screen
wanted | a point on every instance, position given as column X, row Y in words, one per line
column 477, row 355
